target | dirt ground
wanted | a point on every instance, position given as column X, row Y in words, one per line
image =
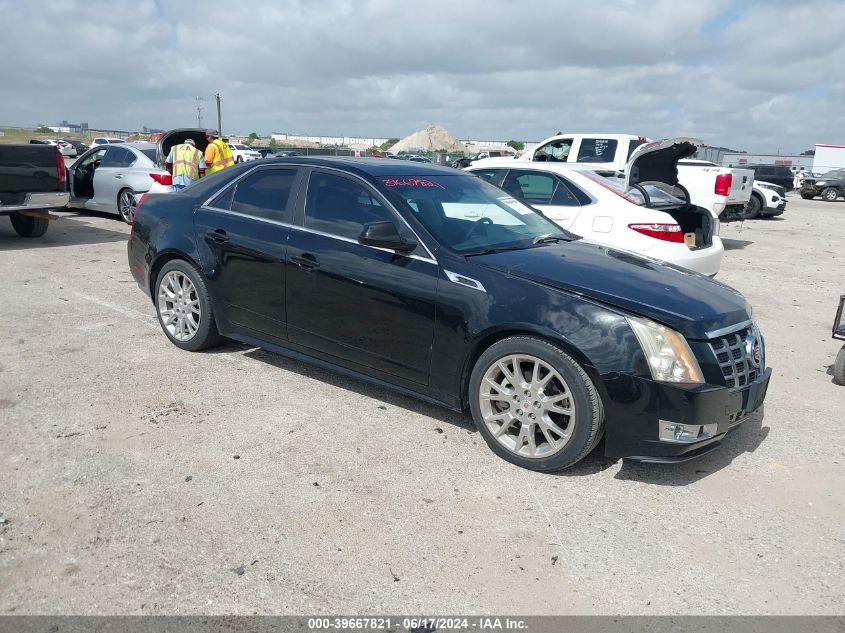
column 139, row 479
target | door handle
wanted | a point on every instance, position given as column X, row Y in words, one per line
column 306, row 261
column 218, row 235
column 118, row 176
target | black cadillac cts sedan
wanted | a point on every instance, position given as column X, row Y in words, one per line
column 440, row 285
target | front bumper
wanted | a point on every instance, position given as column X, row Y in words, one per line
column 777, row 209
column 637, row 437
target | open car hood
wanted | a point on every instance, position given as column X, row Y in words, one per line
column 658, row 161
column 174, row 137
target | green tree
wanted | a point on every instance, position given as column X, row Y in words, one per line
column 252, row 137
column 808, row 152
column 517, row 145
column 388, row 143
column 43, row 129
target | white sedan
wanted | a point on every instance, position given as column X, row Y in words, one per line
column 646, row 217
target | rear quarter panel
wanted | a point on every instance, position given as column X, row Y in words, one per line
column 163, row 230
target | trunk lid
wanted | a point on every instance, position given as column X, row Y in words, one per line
column 685, row 301
column 180, row 135
column 658, row 161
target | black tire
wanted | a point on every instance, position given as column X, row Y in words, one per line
column 839, row 367
column 29, row 226
column 830, row 194
column 588, row 419
column 127, row 197
column 238, row 160
column 807, row 196
column 206, row 334
column 752, row 209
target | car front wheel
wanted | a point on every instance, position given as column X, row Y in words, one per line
column 830, row 194
column 534, row 404
column 184, row 307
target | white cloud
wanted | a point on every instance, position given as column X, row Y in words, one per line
column 765, row 75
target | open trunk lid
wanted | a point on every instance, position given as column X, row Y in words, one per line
column 180, row 135
column 658, row 161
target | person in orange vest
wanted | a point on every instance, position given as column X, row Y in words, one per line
column 217, row 155
column 185, row 162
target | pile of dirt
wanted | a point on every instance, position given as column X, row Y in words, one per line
column 431, row 139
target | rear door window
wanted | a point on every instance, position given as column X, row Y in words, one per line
column 265, row 194
column 118, row 157
column 597, row 150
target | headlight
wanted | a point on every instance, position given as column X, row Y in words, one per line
column 669, row 357
column 821, row 183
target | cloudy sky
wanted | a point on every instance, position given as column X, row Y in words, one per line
column 759, row 76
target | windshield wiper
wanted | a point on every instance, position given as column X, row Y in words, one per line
column 495, row 249
column 550, row 237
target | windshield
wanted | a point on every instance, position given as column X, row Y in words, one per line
column 835, row 173
column 470, row 216
column 658, row 195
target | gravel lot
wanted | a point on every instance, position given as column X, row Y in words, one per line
column 140, row 479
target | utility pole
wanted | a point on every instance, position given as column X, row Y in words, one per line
column 219, row 124
column 199, row 111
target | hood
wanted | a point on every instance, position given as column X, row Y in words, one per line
column 658, row 161
column 685, row 301
column 174, row 137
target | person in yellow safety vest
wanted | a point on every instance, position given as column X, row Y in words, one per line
column 186, row 163
column 217, row 155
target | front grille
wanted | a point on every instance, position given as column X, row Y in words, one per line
column 732, row 356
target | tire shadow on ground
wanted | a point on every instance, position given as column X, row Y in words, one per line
column 66, row 230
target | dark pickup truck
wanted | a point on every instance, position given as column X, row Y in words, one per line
column 33, row 181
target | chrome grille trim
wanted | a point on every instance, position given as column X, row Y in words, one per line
column 732, row 355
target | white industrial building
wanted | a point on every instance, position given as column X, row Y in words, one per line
column 793, row 161
column 828, row 157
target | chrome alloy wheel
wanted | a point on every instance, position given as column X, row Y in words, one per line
column 126, row 204
column 179, row 306
column 527, row 406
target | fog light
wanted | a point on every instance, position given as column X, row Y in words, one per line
column 678, row 433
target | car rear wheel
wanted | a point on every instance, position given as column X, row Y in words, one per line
column 534, row 404
column 29, row 226
column 752, row 209
column 830, row 194
column 184, row 307
column 126, row 205
column 839, row 367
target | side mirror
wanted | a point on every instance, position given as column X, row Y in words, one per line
column 385, row 235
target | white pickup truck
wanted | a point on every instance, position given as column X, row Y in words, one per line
column 724, row 191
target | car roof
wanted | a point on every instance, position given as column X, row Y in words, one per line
column 373, row 167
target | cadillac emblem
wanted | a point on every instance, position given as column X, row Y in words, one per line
column 754, row 350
